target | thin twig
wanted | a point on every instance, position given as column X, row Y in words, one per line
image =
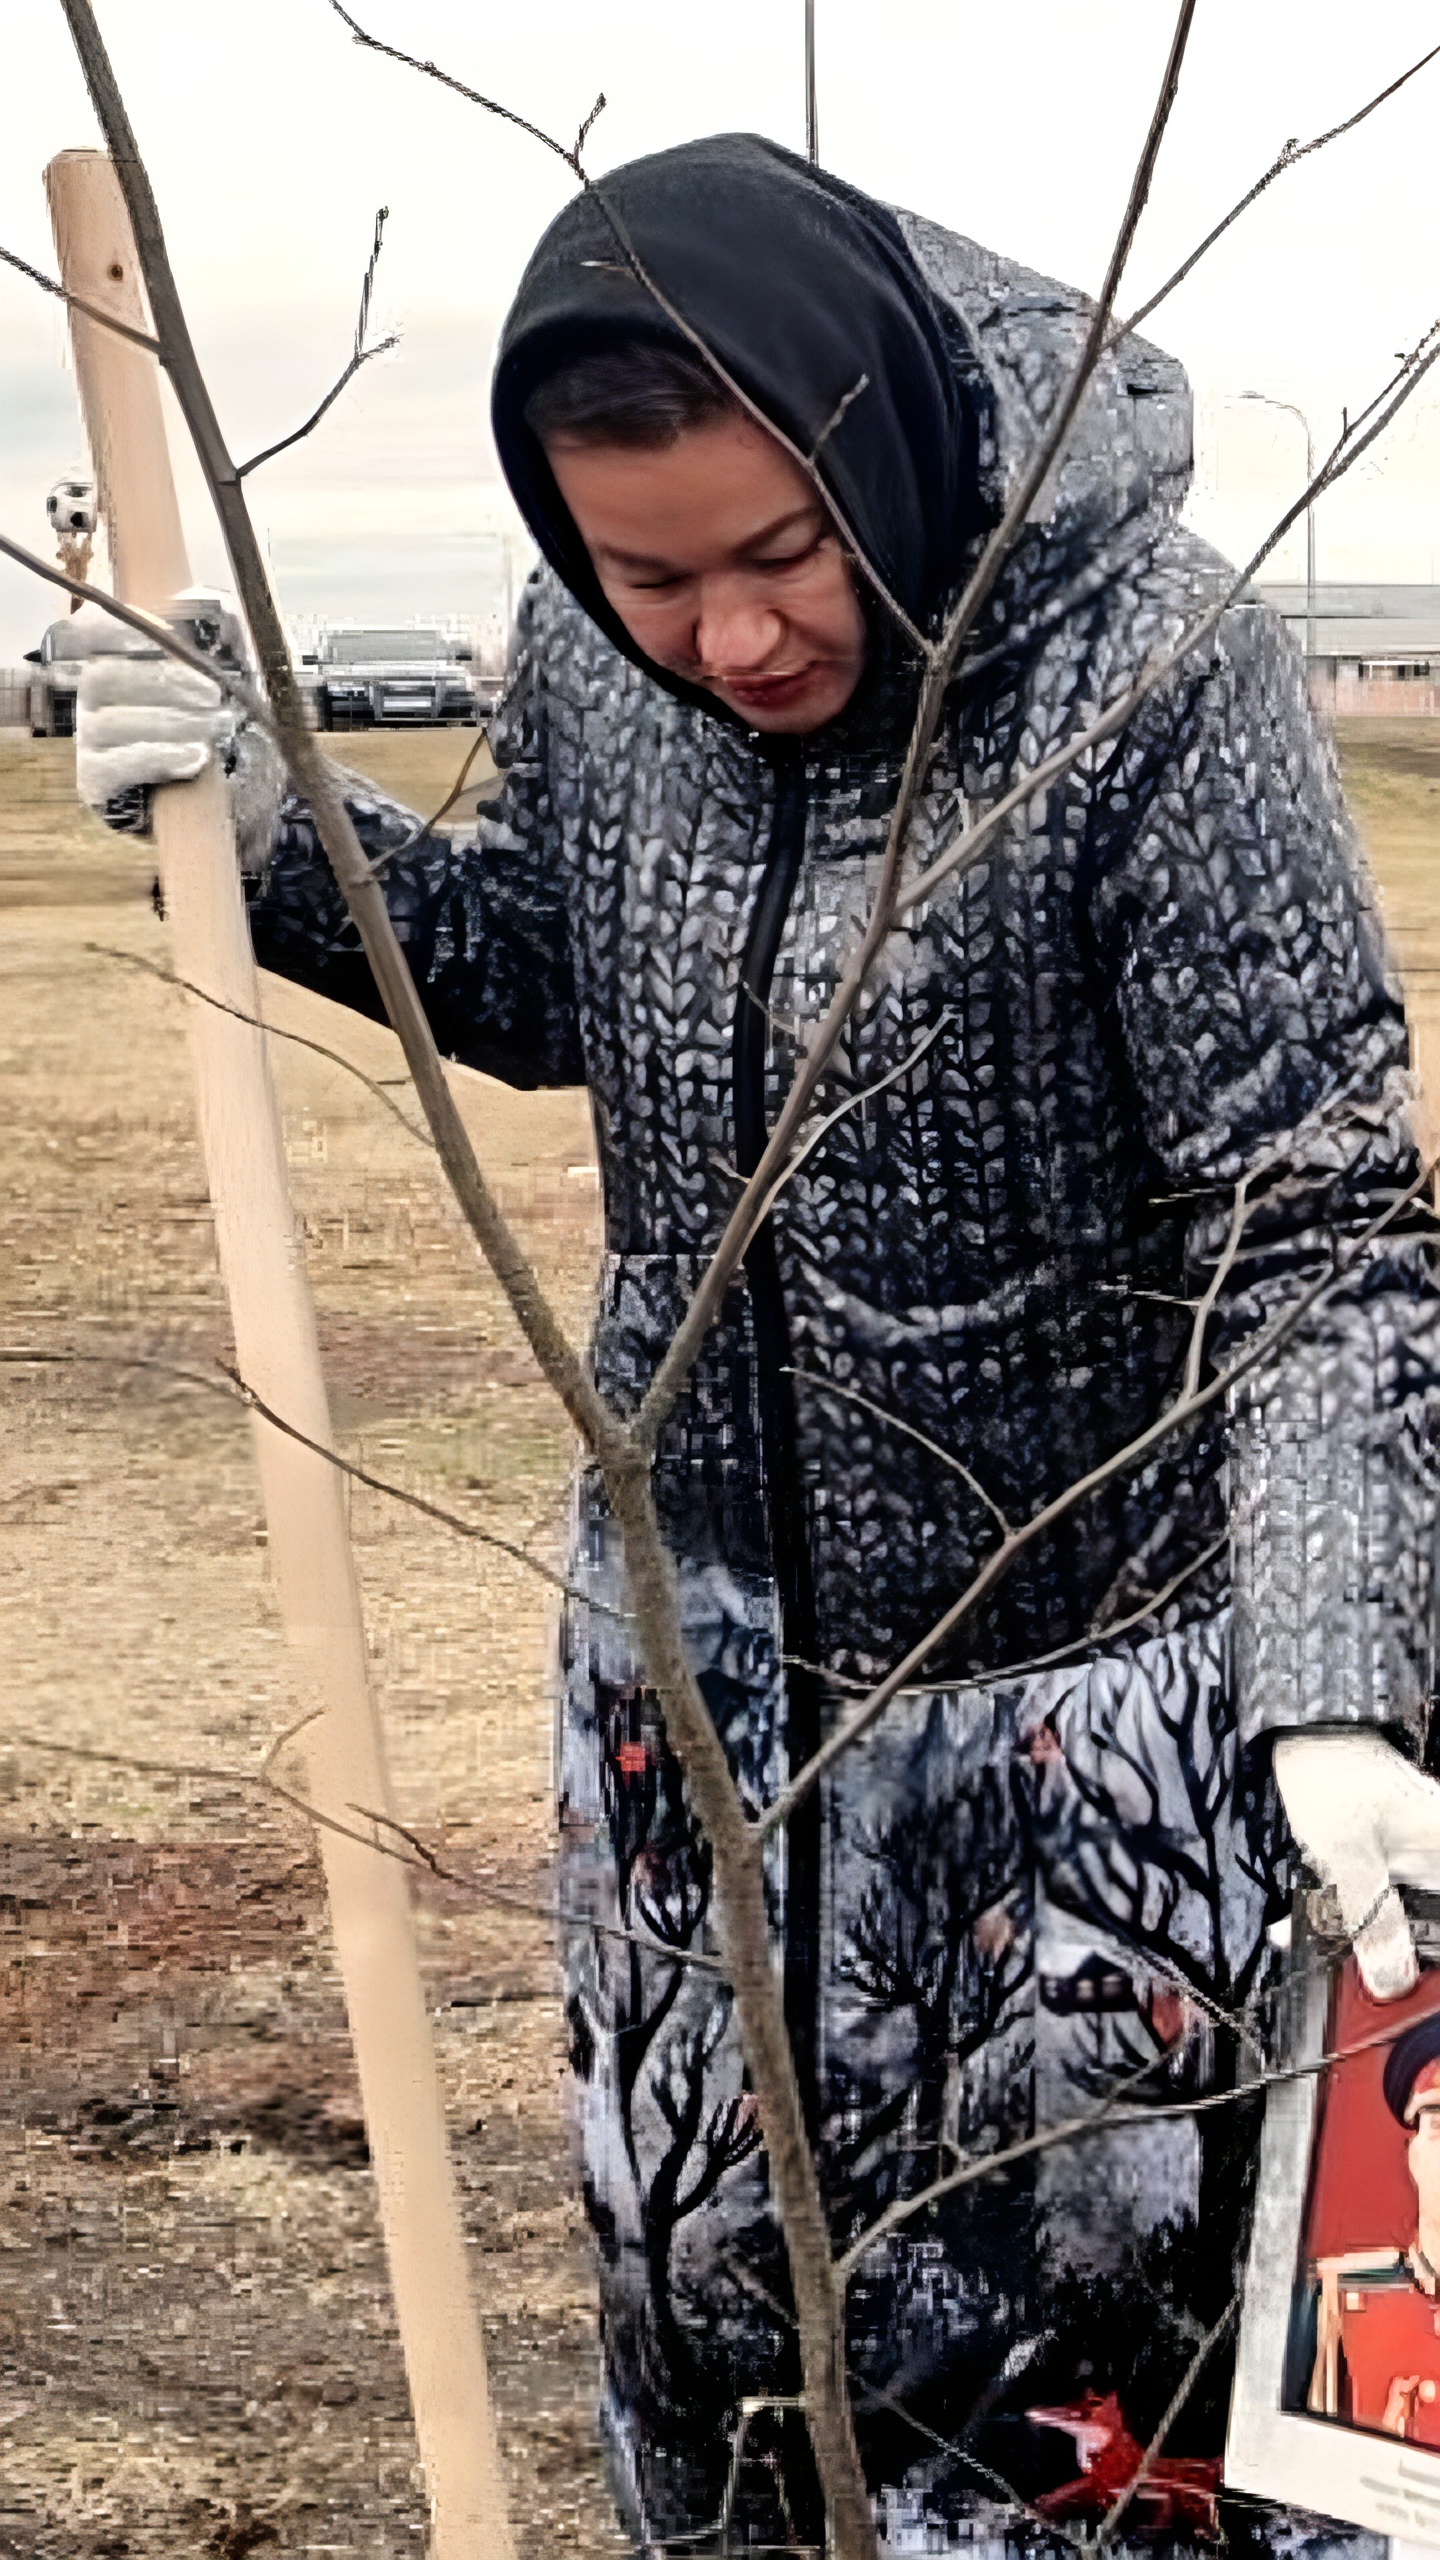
column 1118, row 1626
column 1098, row 1632
column 545, row 1910
column 853, row 1102
column 1288, row 158
column 423, row 1861
column 1205, row 1305
column 1176, row 1417
column 423, row 826
column 965, row 850
column 1101, row 2119
column 1095, row 2120
column 736, row 391
column 273, row 1031
column 360, row 354
column 874, row 2395
column 586, row 123
column 288, row 1733
column 947, row 1457
column 158, row 633
column 845, row 401
column 77, row 302
column 476, row 97
column 1110, row 2521
column 237, row 1391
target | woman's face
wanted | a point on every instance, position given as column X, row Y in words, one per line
column 724, row 567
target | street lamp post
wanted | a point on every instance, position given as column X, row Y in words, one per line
column 812, row 114
column 1294, row 412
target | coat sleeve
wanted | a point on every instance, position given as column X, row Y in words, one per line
column 485, row 927
column 1241, row 949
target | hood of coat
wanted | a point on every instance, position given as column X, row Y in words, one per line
column 913, row 368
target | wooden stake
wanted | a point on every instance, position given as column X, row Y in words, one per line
column 273, row 1318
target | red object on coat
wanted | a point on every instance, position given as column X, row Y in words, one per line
column 1172, row 2493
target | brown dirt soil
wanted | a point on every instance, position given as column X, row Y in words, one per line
column 1392, row 779
column 197, row 2352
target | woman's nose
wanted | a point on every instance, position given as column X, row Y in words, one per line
column 736, row 634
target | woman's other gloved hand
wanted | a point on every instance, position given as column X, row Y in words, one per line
column 144, row 718
column 1367, row 1821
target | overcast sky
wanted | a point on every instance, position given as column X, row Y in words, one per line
column 272, row 138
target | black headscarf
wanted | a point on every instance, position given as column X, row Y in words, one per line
column 1405, row 2061
column 800, row 285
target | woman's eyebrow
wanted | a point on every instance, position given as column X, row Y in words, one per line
column 756, row 541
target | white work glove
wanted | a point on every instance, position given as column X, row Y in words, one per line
column 1367, row 1821
column 143, row 718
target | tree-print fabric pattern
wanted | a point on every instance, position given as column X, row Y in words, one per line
column 1048, row 1878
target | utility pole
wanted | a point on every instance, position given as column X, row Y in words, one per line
column 1289, row 406
column 812, row 119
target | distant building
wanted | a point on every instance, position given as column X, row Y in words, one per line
column 1377, row 648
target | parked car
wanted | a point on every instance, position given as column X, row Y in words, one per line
column 368, row 679
column 53, row 687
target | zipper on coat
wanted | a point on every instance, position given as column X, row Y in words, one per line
column 785, row 1508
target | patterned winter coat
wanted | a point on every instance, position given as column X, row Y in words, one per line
column 1057, row 1861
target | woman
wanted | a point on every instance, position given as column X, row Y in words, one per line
column 1047, row 1877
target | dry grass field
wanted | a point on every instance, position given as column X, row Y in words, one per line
column 196, row 2349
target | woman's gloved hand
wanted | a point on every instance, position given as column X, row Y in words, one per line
column 1367, row 1821
column 141, row 717
column 144, row 718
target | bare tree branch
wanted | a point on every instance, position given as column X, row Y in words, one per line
column 1098, row 1632
column 476, row 97
column 1176, row 1416
column 853, row 1102
column 423, row 826
column 964, row 850
column 947, row 1458
column 158, row 633
column 360, row 354
column 1288, row 158
column 873, row 2395
column 77, row 302
column 845, row 402
column 1110, row 2522
column 1094, row 2120
column 1206, row 1304
column 298, row 1039
column 236, row 1391
column 1100, row 2119
column 1101, row 1634
column 623, row 241
column 423, row 1859
column 586, row 124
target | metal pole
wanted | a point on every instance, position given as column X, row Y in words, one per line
column 1291, row 410
column 1309, row 551
column 812, row 117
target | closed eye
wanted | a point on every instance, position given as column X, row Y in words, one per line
column 793, row 559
